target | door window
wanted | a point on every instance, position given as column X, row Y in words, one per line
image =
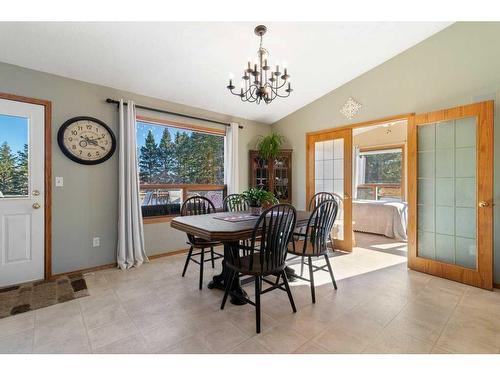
column 446, row 197
column 14, row 156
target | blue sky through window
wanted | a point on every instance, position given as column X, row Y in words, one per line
column 14, row 131
column 143, row 128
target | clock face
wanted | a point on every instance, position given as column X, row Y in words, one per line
column 86, row 140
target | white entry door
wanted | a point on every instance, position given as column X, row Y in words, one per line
column 21, row 192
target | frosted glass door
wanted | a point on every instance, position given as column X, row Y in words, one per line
column 447, row 192
column 451, row 193
column 329, row 176
column 329, row 160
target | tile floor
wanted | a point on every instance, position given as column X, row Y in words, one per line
column 380, row 307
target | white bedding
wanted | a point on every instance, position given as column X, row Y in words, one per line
column 379, row 217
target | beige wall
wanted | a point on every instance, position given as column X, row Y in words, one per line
column 86, row 206
column 379, row 136
column 459, row 65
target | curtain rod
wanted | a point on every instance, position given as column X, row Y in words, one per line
column 112, row 101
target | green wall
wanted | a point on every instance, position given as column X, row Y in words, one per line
column 459, row 65
column 86, row 206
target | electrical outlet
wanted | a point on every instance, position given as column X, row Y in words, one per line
column 59, row 182
column 96, row 242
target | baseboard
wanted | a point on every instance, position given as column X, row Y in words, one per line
column 85, row 270
column 168, row 253
column 114, row 265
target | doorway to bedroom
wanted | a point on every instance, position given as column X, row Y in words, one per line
column 365, row 167
column 379, row 190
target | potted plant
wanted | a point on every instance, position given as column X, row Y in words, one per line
column 257, row 198
column 269, row 146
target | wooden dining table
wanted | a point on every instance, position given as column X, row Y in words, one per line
column 212, row 228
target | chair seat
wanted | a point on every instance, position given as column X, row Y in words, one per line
column 202, row 243
column 245, row 262
column 299, row 247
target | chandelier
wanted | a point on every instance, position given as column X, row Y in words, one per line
column 259, row 82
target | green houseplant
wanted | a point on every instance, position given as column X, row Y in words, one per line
column 269, row 146
column 257, row 198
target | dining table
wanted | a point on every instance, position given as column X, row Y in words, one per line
column 229, row 228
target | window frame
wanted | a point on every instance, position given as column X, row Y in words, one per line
column 402, row 183
column 185, row 188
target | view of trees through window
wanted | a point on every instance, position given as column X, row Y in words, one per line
column 13, row 156
column 169, row 155
column 383, row 168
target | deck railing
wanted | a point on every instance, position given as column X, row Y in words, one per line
column 160, row 200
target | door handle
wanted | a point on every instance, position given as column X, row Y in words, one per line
column 36, row 205
column 483, row 204
column 36, row 193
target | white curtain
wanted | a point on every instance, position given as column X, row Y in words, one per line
column 130, row 250
column 359, row 166
column 231, row 159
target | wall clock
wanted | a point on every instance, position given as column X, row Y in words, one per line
column 86, row 140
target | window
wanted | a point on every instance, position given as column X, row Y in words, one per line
column 381, row 174
column 176, row 163
column 14, row 176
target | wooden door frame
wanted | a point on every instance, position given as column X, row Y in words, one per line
column 48, row 174
column 483, row 276
column 347, row 168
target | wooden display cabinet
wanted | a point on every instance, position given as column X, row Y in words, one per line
column 274, row 175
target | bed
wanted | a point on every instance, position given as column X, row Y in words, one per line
column 380, row 217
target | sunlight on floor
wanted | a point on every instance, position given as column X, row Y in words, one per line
column 372, row 253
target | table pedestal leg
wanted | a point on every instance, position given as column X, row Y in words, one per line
column 219, row 281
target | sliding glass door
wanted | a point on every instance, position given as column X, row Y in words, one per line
column 450, row 160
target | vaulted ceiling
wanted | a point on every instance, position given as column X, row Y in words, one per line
column 189, row 63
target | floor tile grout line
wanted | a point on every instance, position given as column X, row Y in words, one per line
column 86, row 326
column 447, row 321
column 131, row 320
column 118, row 300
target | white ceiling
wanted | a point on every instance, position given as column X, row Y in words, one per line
column 189, row 63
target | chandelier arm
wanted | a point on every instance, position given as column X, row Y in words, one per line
column 283, row 96
column 253, row 97
column 231, row 90
column 272, row 94
column 283, row 84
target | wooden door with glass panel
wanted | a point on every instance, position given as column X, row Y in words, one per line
column 329, row 161
column 450, row 165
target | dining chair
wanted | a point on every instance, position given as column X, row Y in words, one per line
column 198, row 205
column 313, row 243
column 235, row 203
column 313, row 203
column 319, row 198
column 273, row 230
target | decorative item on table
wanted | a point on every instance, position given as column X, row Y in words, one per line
column 270, row 145
column 257, row 198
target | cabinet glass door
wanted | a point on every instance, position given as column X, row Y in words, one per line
column 281, row 171
column 261, row 170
